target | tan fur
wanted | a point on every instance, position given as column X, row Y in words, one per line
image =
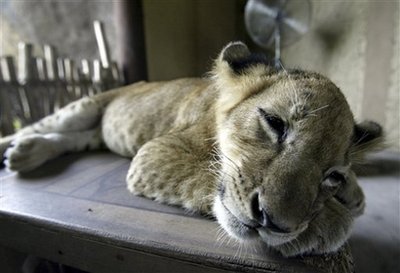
column 203, row 144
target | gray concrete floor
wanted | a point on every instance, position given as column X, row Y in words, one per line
column 375, row 241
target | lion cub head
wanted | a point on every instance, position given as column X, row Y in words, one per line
column 287, row 141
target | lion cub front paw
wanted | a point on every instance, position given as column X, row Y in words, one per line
column 4, row 144
column 28, row 152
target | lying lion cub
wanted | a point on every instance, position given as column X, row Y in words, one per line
column 268, row 153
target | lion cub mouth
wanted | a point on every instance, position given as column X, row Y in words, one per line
column 250, row 231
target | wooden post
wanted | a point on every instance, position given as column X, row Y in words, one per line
column 131, row 53
column 6, row 117
column 20, row 108
column 25, row 78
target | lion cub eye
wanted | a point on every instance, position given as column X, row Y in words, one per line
column 276, row 123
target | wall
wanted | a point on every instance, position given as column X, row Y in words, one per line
column 183, row 37
column 356, row 44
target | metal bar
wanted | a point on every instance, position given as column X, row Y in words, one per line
column 61, row 86
column 25, row 63
column 69, row 79
column 50, row 58
column 42, row 94
column 97, row 79
column 8, row 69
column 102, row 44
column 86, row 78
column 117, row 76
column 76, row 81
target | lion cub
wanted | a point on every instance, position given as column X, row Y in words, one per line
column 269, row 153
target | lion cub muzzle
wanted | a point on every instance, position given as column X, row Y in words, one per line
column 261, row 216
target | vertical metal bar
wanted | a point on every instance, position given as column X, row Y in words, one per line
column 117, row 76
column 61, row 95
column 86, row 78
column 51, row 64
column 76, row 81
column 8, row 69
column 25, row 63
column 69, row 79
column 102, row 44
column 106, row 70
column 85, row 67
column 50, row 57
column 97, row 78
column 43, row 88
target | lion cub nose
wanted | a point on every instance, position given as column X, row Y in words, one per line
column 260, row 215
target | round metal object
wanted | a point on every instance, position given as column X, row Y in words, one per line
column 265, row 18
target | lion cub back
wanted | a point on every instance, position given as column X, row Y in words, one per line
column 150, row 110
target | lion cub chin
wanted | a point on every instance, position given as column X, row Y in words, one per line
column 267, row 152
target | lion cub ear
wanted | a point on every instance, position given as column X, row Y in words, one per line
column 236, row 59
column 234, row 51
column 238, row 73
column 235, row 55
column 367, row 137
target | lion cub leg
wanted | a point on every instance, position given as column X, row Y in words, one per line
column 80, row 115
column 172, row 170
column 30, row 151
column 66, row 130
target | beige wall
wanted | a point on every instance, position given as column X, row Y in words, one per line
column 183, row 37
column 356, row 44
